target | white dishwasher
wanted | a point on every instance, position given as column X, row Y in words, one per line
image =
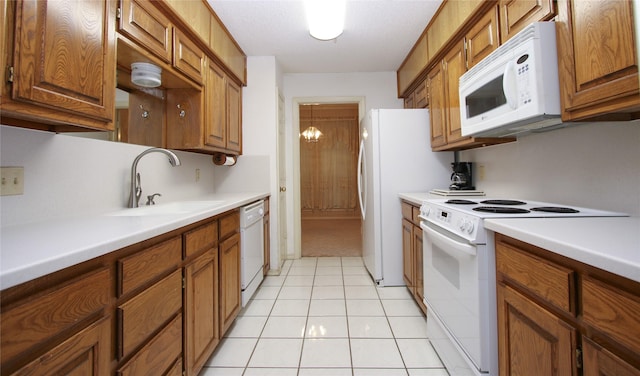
column 251, row 248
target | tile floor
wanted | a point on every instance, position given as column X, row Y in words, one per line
column 324, row 316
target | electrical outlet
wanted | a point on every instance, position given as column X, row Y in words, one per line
column 197, row 175
column 481, row 172
column 12, row 181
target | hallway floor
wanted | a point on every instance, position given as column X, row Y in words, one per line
column 323, row 316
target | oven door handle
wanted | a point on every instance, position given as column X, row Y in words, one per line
column 447, row 244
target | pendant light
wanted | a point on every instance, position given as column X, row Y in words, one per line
column 325, row 18
column 311, row 134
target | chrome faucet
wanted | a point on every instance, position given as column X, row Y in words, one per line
column 136, row 189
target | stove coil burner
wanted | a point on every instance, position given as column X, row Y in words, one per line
column 460, row 202
column 556, row 209
column 503, row 202
column 500, row 210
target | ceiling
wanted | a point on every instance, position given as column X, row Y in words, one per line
column 378, row 34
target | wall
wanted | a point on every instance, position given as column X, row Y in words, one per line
column 593, row 165
column 69, row 176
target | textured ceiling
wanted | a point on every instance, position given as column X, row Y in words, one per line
column 378, row 33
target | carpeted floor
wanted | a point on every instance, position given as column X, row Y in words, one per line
column 331, row 237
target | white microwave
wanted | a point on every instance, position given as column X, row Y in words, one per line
column 514, row 89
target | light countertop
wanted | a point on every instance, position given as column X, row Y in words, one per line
column 31, row 250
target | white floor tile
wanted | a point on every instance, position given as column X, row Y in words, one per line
column 358, row 280
column 302, row 270
column 284, row 327
column 401, row 292
column 327, row 307
column 329, row 261
column 273, row 280
column 327, row 292
column 369, row 327
column 364, row 307
column 328, row 280
column 299, row 280
column 326, row 327
column 232, row 352
column 221, row 371
column 328, row 270
column 375, row 353
column 418, row 353
column 271, row 372
column 408, row 327
column 352, row 261
column 427, row 372
column 267, row 292
column 360, row 292
column 276, row 352
column 258, row 307
column 379, row 372
column 305, row 261
column 247, row 327
column 295, row 292
column 291, row 307
column 324, row 352
column 325, row 372
column 401, row 308
column 354, row 270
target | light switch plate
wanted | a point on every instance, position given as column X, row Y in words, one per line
column 11, row 181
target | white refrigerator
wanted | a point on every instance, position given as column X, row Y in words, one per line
column 395, row 157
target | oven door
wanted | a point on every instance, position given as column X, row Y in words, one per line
column 455, row 292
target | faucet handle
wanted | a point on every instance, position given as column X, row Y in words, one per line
column 151, row 197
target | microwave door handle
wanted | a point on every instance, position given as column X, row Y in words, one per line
column 510, row 86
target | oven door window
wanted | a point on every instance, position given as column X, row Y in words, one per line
column 451, row 289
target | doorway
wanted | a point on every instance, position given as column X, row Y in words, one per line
column 330, row 219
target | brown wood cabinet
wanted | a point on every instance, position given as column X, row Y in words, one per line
column 145, row 24
column 61, row 64
column 515, row 15
column 412, row 256
column 483, row 38
column 598, row 68
column 230, row 259
column 418, row 98
column 557, row 316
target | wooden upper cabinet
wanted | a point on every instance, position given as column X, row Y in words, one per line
column 228, row 51
column 188, row 58
column 234, row 117
column 215, row 120
column 144, row 23
column 598, row 67
column 454, row 65
column 437, row 106
column 63, row 60
column 413, row 64
column 516, row 14
column 483, row 38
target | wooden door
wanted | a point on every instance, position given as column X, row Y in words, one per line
column 407, row 255
column 215, row 107
column 418, row 268
column 531, row 340
column 64, row 57
column 230, row 284
column 598, row 361
column 517, row 14
column 454, row 67
column 201, row 310
column 483, row 38
column 144, row 23
column 437, row 106
column 234, row 117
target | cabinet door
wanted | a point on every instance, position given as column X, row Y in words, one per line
column 531, row 340
column 407, row 255
column 234, row 117
column 409, row 101
column 200, row 310
column 454, row 67
column 85, row 353
column 420, row 97
column 215, row 105
column 64, row 56
column 187, row 57
column 516, row 14
column 597, row 58
column 141, row 21
column 598, row 361
column 482, row 39
column 230, row 289
column 437, row 106
column 418, row 268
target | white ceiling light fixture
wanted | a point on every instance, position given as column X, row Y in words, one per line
column 325, row 18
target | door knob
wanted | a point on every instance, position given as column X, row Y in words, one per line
column 283, row 189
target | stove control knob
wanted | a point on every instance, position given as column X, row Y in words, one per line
column 461, row 224
column 469, row 226
column 426, row 211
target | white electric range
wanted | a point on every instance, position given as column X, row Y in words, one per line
column 459, row 275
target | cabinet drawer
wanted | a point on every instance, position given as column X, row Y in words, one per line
column 229, row 225
column 148, row 311
column 203, row 237
column 407, row 212
column 142, row 267
column 160, row 354
column 612, row 311
column 33, row 321
column 415, row 211
column 551, row 282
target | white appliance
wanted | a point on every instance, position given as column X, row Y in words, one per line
column 395, row 156
column 515, row 89
column 460, row 276
column 251, row 248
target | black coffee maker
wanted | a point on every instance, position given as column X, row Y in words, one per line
column 462, row 176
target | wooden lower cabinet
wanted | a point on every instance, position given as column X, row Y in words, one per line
column 412, row 253
column 230, row 289
column 557, row 316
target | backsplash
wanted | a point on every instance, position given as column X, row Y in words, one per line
column 593, row 165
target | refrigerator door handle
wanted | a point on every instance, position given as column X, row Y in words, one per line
column 362, row 180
